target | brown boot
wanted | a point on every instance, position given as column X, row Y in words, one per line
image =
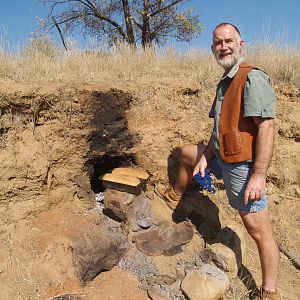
column 168, row 195
column 267, row 295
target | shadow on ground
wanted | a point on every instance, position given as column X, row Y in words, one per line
column 203, row 213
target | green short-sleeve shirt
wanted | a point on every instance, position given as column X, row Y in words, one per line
column 259, row 98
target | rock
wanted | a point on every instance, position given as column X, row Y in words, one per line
column 156, row 293
column 180, row 271
column 99, row 249
column 225, row 259
column 168, row 279
column 144, row 223
column 125, row 183
column 135, row 172
column 116, row 204
column 135, row 211
column 207, row 283
column 140, row 213
column 167, row 239
column 233, row 238
column 161, row 280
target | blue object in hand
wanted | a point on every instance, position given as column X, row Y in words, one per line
column 206, row 181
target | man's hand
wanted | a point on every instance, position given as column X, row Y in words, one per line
column 255, row 188
column 263, row 154
column 205, row 158
column 201, row 166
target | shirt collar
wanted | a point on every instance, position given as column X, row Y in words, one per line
column 234, row 69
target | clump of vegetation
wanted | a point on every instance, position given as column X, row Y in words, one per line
column 42, row 60
column 40, row 46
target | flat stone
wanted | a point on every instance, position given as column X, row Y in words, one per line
column 124, row 183
column 135, row 172
column 225, row 259
column 207, row 283
column 167, row 239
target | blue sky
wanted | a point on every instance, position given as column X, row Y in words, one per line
column 255, row 18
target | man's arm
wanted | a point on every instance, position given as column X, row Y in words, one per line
column 205, row 158
column 263, row 154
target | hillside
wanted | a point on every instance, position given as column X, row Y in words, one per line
column 67, row 119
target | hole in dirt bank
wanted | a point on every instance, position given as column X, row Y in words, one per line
column 110, row 137
column 105, row 164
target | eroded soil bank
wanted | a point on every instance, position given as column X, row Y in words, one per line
column 56, row 140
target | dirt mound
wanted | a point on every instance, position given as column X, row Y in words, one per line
column 56, row 140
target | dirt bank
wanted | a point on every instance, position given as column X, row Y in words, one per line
column 57, row 139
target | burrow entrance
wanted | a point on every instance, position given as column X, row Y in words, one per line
column 105, row 164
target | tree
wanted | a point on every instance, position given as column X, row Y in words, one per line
column 135, row 22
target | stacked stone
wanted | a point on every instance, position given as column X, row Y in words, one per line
column 130, row 180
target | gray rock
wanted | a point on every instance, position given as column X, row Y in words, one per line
column 144, row 223
column 140, row 213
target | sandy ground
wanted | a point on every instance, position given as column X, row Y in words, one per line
column 53, row 134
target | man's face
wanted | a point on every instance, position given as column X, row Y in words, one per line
column 227, row 46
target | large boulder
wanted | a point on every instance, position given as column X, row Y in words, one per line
column 206, row 283
column 98, row 249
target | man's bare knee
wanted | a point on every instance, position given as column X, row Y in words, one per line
column 258, row 225
column 190, row 154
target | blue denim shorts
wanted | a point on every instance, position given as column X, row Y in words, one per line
column 235, row 177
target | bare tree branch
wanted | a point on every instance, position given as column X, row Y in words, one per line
column 132, row 21
column 160, row 10
column 60, row 33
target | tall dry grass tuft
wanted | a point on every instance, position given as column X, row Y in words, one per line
column 42, row 61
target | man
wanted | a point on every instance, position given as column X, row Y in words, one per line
column 242, row 142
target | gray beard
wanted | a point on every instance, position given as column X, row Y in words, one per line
column 228, row 63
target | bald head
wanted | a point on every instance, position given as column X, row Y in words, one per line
column 228, row 24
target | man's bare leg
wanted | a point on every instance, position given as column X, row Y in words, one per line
column 190, row 155
column 258, row 225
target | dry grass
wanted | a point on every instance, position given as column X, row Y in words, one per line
column 42, row 61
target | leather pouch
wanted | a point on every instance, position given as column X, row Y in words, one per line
column 232, row 142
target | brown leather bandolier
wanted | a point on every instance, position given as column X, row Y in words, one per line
column 237, row 134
